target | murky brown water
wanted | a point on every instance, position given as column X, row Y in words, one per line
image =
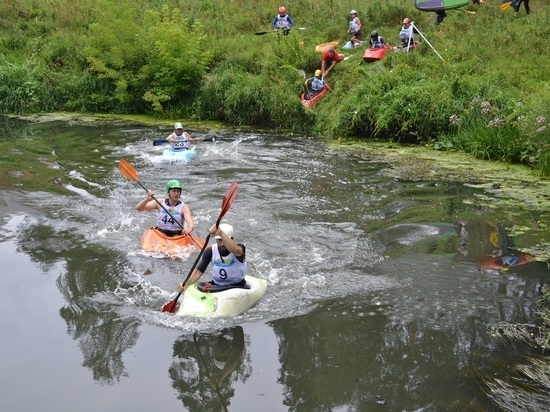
column 376, row 297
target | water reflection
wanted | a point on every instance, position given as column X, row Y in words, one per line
column 203, row 369
column 504, row 255
column 103, row 335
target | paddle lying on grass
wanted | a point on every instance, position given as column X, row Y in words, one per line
column 261, row 33
column 207, row 138
column 129, row 172
column 505, row 5
column 468, row 11
column 228, row 198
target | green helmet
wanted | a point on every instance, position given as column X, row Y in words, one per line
column 173, row 184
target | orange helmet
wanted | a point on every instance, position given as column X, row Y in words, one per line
column 282, row 9
column 406, row 21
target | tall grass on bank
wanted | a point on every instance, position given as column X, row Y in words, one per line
column 201, row 59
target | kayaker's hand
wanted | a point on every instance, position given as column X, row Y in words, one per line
column 150, row 195
column 181, row 289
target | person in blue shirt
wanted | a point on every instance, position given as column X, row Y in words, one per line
column 282, row 21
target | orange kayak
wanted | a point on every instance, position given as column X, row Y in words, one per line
column 155, row 241
column 321, row 47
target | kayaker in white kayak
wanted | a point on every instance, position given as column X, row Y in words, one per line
column 179, row 211
column 179, row 140
column 228, row 261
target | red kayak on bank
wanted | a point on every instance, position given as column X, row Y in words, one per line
column 372, row 55
column 309, row 103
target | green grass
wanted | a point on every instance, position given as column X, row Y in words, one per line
column 201, row 59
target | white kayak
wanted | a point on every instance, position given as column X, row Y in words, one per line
column 229, row 302
column 179, row 155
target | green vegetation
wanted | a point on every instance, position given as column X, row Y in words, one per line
column 201, row 59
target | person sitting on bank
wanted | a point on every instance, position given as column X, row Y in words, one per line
column 330, row 56
column 317, row 85
column 179, row 140
column 407, row 33
column 282, row 21
column 375, row 41
column 179, row 213
column 228, row 261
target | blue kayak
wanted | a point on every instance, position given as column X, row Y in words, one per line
column 182, row 155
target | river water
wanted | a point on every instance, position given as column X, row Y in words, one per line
column 380, row 294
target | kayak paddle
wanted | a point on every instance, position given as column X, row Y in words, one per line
column 207, row 138
column 505, row 5
column 130, row 173
column 261, row 33
column 228, row 198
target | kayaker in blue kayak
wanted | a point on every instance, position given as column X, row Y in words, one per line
column 167, row 223
column 179, row 140
column 375, row 41
column 315, row 85
column 228, row 262
column 282, row 21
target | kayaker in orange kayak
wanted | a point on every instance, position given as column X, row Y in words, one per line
column 179, row 213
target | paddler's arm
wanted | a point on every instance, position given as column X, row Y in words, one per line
column 147, row 204
column 195, row 276
column 188, row 219
column 191, row 139
column 199, row 270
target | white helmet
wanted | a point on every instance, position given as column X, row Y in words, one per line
column 178, row 126
column 353, row 12
column 227, row 229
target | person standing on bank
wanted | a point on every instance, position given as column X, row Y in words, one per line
column 517, row 3
column 228, row 261
column 354, row 29
column 179, row 140
column 179, row 213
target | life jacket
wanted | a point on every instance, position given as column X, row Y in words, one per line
column 317, row 84
column 353, row 25
column 282, row 22
column 167, row 221
column 227, row 270
column 376, row 44
column 180, row 142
